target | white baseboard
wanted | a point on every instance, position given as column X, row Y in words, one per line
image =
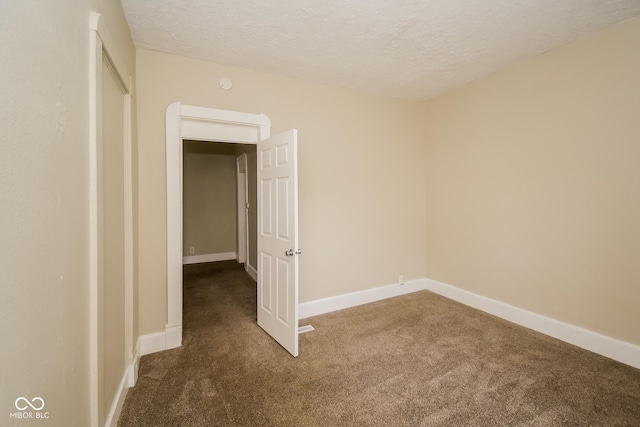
column 173, row 336
column 170, row 338
column 196, row 259
column 128, row 380
column 135, row 366
column 118, row 401
column 252, row 272
column 612, row 348
column 340, row 302
column 152, row 343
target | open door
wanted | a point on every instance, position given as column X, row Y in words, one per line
column 278, row 238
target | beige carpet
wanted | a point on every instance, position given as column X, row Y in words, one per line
column 415, row 360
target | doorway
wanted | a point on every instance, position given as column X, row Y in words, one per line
column 185, row 122
column 219, row 202
column 277, row 207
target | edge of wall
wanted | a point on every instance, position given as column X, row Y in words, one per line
column 196, row 259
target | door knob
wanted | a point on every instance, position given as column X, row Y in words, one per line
column 299, row 251
column 289, row 252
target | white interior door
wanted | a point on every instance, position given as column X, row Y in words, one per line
column 278, row 239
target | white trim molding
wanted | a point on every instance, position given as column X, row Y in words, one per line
column 603, row 345
column 173, row 336
column 152, row 343
column 170, row 338
column 118, row 401
column 353, row 299
column 252, row 271
column 242, row 197
column 202, row 124
column 196, row 259
column 128, row 380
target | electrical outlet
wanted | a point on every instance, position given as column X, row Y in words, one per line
column 191, row 250
column 401, row 279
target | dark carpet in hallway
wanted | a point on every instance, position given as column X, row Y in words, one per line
column 415, row 360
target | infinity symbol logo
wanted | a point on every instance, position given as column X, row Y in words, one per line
column 31, row 403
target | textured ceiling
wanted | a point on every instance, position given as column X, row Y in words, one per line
column 413, row 49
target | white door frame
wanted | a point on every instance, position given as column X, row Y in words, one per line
column 201, row 124
column 243, row 199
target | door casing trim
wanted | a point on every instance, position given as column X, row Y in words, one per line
column 200, row 124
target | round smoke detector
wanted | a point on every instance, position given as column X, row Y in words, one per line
column 225, row 84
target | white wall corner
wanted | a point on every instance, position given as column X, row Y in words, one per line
column 196, row 259
column 353, row 299
column 612, row 348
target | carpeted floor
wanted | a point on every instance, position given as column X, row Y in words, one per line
column 415, row 360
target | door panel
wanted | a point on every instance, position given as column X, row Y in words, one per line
column 264, row 297
column 283, row 212
column 283, row 291
column 265, row 205
column 278, row 239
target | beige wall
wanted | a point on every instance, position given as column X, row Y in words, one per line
column 209, row 198
column 533, row 178
column 362, row 217
column 530, row 177
column 44, row 263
